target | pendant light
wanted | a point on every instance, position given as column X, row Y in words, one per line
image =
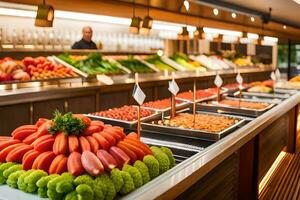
column 261, row 36
column 147, row 23
column 44, row 15
column 198, row 33
column 184, row 35
column 135, row 22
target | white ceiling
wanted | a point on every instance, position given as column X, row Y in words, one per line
column 285, row 10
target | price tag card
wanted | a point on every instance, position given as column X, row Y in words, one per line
column 218, row 81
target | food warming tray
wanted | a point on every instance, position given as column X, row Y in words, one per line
column 222, row 91
column 179, row 106
column 189, row 133
column 221, row 108
column 267, row 95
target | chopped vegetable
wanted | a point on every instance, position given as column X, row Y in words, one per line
column 116, row 177
column 135, row 174
column 143, row 170
column 153, row 166
column 128, row 183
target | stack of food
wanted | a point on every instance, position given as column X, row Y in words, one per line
column 72, row 157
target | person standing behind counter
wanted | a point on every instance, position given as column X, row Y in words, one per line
column 86, row 41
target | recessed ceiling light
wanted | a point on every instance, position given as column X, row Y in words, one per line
column 284, row 26
column 233, row 15
column 215, row 11
column 252, row 19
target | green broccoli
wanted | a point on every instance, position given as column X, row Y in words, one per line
column 32, row 178
column 135, row 174
column 162, row 158
column 13, row 178
column 64, row 186
column 153, row 166
column 116, row 177
column 21, row 182
column 12, row 169
column 44, row 180
column 128, row 183
column 60, row 185
column 98, row 188
column 64, row 177
column 170, row 155
column 72, row 196
column 53, row 195
column 107, row 185
column 3, row 167
column 143, row 170
column 42, row 192
column 83, row 179
column 85, row 192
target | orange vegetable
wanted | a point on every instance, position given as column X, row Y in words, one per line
column 60, row 145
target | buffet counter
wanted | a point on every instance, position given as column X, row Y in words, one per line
column 234, row 166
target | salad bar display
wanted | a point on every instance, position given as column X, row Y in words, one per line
column 73, row 157
column 186, row 62
column 201, row 95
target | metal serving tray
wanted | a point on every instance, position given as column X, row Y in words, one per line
column 220, row 108
column 179, row 106
column 223, row 91
column 125, row 124
column 189, row 133
column 267, row 95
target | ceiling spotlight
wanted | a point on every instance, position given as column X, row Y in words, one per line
column 260, row 39
column 215, row 11
column 198, row 33
column 233, row 15
column 284, row 26
column 44, row 15
column 252, row 19
column 184, row 35
column 186, row 4
column 135, row 24
column 146, row 25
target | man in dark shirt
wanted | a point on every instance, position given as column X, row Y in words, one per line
column 86, row 41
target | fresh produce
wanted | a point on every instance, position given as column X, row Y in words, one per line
column 92, row 64
column 200, row 94
column 242, row 62
column 11, row 69
column 169, row 153
column 235, row 86
column 187, row 63
column 135, row 65
column 53, row 171
column 295, row 79
column 204, row 122
column 244, row 104
column 126, row 113
column 159, row 64
column 260, row 89
column 162, row 158
column 160, row 104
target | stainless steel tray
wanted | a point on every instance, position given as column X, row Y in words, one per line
column 189, row 133
column 267, row 95
column 181, row 105
column 221, row 108
column 123, row 123
column 223, row 91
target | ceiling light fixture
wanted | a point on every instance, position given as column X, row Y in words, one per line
column 135, row 22
column 252, row 19
column 186, row 4
column 198, row 33
column 215, row 11
column 184, row 35
column 147, row 23
column 44, row 15
column 284, row 26
column 233, row 15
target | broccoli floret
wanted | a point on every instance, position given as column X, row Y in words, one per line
column 44, row 180
column 110, row 190
column 32, row 178
column 53, row 195
column 170, row 155
column 135, row 174
column 116, row 177
column 64, row 177
column 128, row 183
column 13, row 178
column 3, row 167
column 21, row 183
column 153, row 166
column 98, row 188
column 83, row 179
column 85, row 191
column 42, row 192
column 64, row 187
column 143, row 170
column 162, row 158
column 71, row 196
column 12, row 169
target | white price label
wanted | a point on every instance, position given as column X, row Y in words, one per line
column 277, row 73
column 218, row 80
column 239, row 79
column 273, row 76
column 138, row 94
column 173, row 87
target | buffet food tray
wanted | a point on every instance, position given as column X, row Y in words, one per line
column 223, row 91
column 189, row 133
column 222, row 108
column 267, row 95
column 179, row 106
column 125, row 124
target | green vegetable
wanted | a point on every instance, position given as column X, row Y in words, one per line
column 128, row 183
column 98, row 188
column 135, row 174
column 117, row 179
column 108, row 185
column 169, row 153
column 53, row 195
column 71, row 196
column 30, row 180
column 153, row 165
column 67, row 124
column 159, row 64
column 42, row 192
column 143, row 170
column 85, row 192
column 21, row 183
column 83, row 179
column 162, row 158
column 64, row 187
column 135, row 65
column 12, row 169
column 3, row 167
column 13, row 178
column 44, row 180
column 60, row 185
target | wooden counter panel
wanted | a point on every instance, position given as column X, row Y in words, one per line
column 271, row 142
column 45, row 109
column 112, row 100
column 220, row 183
column 85, row 104
column 13, row 116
